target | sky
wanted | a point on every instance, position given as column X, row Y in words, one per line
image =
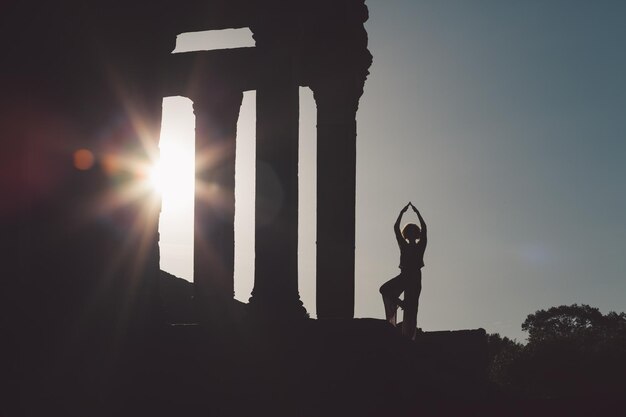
column 504, row 122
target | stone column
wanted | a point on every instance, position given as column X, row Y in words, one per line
column 216, row 113
column 276, row 244
column 337, row 102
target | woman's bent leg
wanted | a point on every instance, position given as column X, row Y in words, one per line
column 391, row 291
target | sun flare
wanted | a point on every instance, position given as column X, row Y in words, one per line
column 172, row 175
column 156, row 177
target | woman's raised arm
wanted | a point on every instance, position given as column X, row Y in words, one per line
column 396, row 226
column 422, row 222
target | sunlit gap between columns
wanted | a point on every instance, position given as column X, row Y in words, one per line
column 177, row 172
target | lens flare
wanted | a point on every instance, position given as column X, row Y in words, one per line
column 83, row 159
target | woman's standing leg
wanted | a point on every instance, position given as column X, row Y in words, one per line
column 411, row 305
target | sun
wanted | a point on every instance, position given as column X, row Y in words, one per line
column 172, row 175
column 155, row 177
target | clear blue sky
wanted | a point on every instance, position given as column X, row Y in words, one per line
column 505, row 123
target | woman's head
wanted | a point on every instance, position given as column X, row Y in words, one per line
column 411, row 232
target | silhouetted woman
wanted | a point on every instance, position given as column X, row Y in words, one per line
column 412, row 242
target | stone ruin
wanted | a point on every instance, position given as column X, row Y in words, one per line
column 320, row 45
column 100, row 71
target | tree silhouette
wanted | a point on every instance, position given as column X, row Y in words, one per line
column 578, row 322
column 572, row 351
column 503, row 353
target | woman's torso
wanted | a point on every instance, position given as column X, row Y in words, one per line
column 411, row 256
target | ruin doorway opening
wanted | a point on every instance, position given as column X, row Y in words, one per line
column 175, row 182
column 176, row 222
column 177, row 187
